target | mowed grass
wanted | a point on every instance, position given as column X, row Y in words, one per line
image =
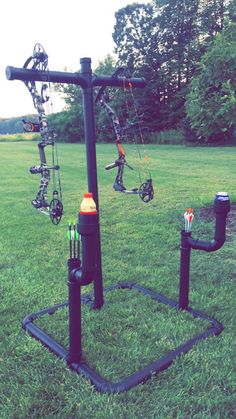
column 140, row 243
column 18, row 137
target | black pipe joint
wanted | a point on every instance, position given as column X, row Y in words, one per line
column 222, row 203
column 73, row 265
column 221, row 209
column 87, row 224
column 88, row 229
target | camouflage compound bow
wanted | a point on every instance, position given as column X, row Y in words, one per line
column 54, row 207
column 145, row 190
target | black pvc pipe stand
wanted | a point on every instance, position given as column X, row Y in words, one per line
column 139, row 377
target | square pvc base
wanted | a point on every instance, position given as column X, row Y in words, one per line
column 139, row 377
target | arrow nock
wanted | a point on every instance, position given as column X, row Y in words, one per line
column 188, row 218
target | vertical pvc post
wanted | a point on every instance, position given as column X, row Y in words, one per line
column 185, row 250
column 74, row 302
column 90, row 141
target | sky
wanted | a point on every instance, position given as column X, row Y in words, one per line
column 68, row 30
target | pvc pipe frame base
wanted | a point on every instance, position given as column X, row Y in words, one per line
column 100, row 383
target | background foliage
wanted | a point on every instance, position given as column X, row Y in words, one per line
column 164, row 41
column 211, row 101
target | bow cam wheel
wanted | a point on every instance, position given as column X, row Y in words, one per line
column 55, row 211
column 146, row 191
column 40, row 58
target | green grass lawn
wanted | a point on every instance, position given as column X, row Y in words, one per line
column 26, row 136
column 140, row 243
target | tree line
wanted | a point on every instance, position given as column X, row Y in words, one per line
column 10, row 125
column 183, row 48
column 186, row 50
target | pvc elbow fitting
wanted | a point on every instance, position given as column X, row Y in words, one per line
column 221, row 209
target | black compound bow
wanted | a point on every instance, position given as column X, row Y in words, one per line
column 145, row 190
column 54, row 208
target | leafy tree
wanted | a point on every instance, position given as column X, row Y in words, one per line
column 122, row 101
column 212, row 17
column 68, row 125
column 106, row 66
column 211, row 101
column 105, row 132
column 178, row 24
column 178, row 28
column 232, row 11
column 14, row 125
column 162, row 41
column 136, row 37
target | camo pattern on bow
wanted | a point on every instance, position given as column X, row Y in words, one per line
column 39, row 61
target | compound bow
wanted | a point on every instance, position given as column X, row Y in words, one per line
column 39, row 61
column 145, row 190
